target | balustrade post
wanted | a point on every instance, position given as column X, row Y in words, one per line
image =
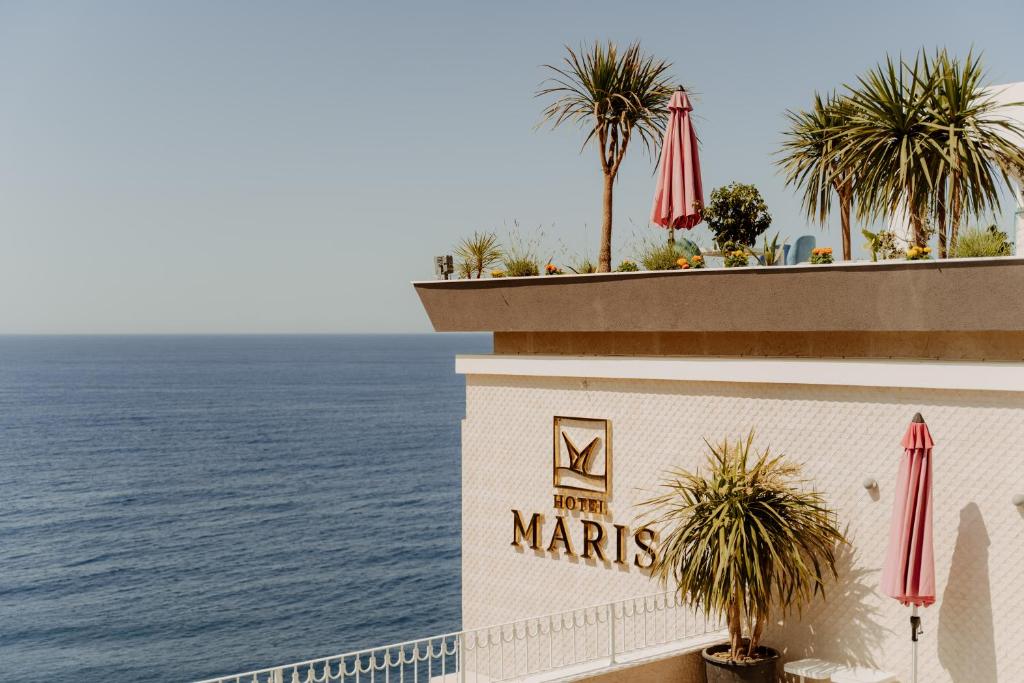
column 611, row 632
column 460, row 651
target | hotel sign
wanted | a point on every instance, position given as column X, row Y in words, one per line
column 582, row 473
column 582, row 483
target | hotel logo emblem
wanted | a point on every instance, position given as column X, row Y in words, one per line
column 582, row 454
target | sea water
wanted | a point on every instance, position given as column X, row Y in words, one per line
column 178, row 507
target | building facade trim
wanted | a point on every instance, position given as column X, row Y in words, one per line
column 979, row 376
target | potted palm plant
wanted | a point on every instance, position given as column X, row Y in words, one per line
column 742, row 540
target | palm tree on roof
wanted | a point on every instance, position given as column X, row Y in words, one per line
column 615, row 96
column 973, row 141
column 809, row 161
column 888, row 141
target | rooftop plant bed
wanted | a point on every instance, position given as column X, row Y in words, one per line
column 951, row 295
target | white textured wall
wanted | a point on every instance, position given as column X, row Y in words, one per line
column 841, row 434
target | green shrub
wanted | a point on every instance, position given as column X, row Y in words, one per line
column 737, row 213
column 627, row 266
column 658, row 257
column 520, row 258
column 584, row 265
column 978, row 242
column 520, row 267
column 665, row 255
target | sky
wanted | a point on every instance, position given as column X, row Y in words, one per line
column 290, row 167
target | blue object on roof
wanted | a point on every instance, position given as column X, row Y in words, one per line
column 801, row 251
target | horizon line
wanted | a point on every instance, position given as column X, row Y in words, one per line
column 233, row 334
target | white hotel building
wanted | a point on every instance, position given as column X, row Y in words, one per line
column 826, row 363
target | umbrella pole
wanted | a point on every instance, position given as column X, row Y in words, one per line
column 915, row 630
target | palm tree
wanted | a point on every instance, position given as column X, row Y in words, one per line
column 809, row 161
column 928, row 137
column 742, row 537
column 888, row 142
column 972, row 143
column 613, row 96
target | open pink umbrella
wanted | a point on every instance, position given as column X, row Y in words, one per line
column 678, row 197
column 909, row 571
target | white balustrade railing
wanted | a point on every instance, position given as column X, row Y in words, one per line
column 564, row 643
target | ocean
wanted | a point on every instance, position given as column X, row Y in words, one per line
column 178, row 507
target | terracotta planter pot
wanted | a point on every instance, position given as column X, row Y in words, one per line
column 760, row 671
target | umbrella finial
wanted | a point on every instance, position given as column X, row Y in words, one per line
column 918, row 419
column 680, row 88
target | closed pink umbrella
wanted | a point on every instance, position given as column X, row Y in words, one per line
column 678, row 197
column 909, row 571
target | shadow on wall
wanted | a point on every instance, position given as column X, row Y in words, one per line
column 842, row 626
column 966, row 638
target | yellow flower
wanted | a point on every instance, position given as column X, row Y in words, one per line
column 682, row 262
column 697, row 258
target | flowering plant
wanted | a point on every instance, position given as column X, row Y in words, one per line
column 627, row 266
column 822, row 255
column 497, row 273
column 917, row 253
column 552, row 269
column 735, row 258
column 695, row 261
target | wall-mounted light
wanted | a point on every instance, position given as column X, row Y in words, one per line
column 870, row 483
column 1018, row 500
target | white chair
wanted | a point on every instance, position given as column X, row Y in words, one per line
column 811, row 669
column 808, row 670
column 862, row 675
